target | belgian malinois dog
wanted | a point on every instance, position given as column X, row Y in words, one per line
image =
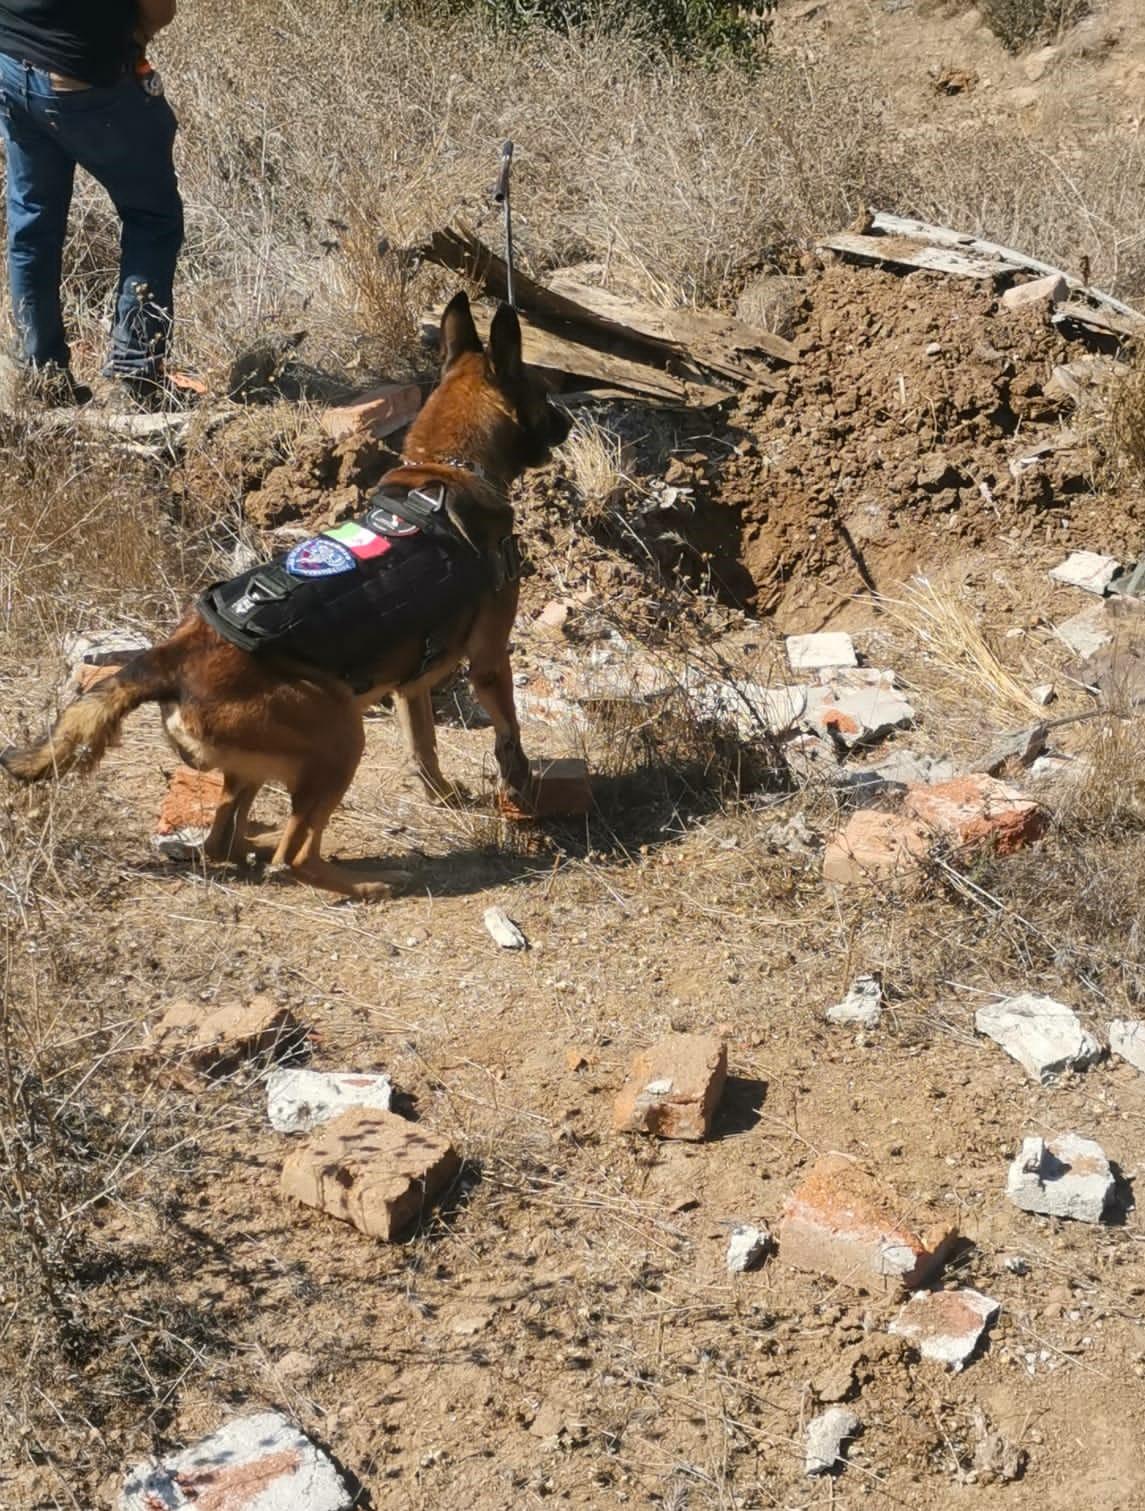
column 270, row 714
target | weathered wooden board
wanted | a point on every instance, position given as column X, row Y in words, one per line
column 913, row 252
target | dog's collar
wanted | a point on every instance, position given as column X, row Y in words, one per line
column 461, row 463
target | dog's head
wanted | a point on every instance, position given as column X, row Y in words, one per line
column 488, row 408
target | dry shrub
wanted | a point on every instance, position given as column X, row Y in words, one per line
column 1122, row 435
column 1018, row 23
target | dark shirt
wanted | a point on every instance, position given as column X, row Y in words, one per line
column 84, row 39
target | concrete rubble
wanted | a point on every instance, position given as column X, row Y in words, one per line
column 186, row 813
column 810, row 653
column 1127, row 1039
column 1044, row 1036
column 874, row 846
column 977, row 812
column 946, row 1326
column 857, row 708
column 825, row 1438
column 260, row 1462
column 216, row 1040
column 1086, row 632
column 1087, row 570
column 298, row 1100
column 503, row 931
column 1067, row 1176
column 372, row 1169
column 862, row 1006
column 845, row 1223
column 747, row 1248
column 673, row 1088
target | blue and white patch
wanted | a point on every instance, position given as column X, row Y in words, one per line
column 320, row 557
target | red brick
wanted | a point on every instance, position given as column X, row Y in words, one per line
column 561, row 789
column 844, row 1223
column 372, row 1169
column 872, row 845
column 214, row 1040
column 673, row 1088
column 977, row 812
column 379, row 412
column 190, row 802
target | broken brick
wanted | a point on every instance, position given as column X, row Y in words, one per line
column 372, row 1169
column 1049, row 290
column 187, row 812
column 215, row 1040
column 560, row 789
column 379, row 412
column 874, row 844
column 945, row 1325
column 845, row 1223
column 978, row 811
column 673, row 1088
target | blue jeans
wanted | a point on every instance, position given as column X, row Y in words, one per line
column 123, row 137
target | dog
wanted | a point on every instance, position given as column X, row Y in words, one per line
column 286, row 704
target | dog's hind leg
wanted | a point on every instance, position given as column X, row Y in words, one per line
column 227, row 838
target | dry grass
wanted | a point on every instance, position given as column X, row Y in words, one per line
column 1121, row 432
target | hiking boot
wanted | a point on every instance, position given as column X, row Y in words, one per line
column 55, row 387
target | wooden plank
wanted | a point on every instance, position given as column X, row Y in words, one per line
column 463, row 253
column 699, row 328
column 910, row 252
column 568, row 362
column 900, row 225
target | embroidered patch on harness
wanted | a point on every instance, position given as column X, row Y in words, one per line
column 364, row 544
column 389, row 524
column 319, row 557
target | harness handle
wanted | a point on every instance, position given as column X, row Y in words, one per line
column 501, row 197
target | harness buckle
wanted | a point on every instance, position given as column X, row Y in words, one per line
column 425, row 495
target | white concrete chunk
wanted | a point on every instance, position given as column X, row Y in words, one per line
column 1086, row 632
column 854, row 715
column 1127, row 1039
column 180, row 844
column 253, row 1463
column 863, row 1004
column 1044, row 1036
column 746, row 1248
column 104, row 647
column 825, row 1437
column 808, row 653
column 502, row 929
column 1087, row 570
column 946, row 1325
column 297, row 1100
column 1066, row 1176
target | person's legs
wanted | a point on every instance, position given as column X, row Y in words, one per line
column 123, row 137
column 39, row 190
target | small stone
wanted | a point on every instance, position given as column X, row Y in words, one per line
column 1127, row 1039
column 252, row 1463
column 812, row 652
column 1066, row 1176
column 1087, row 570
column 933, row 349
column 298, row 1100
column 874, row 846
column 1044, row 1036
column 1044, row 693
column 977, row 811
column 825, row 1437
column 946, row 1325
column 1023, row 296
column 553, row 618
column 503, row 931
column 1034, row 67
column 845, row 1223
column 216, row 1040
column 673, row 1088
column 747, row 1248
column 863, row 1004
column 372, row 1169
column 379, row 412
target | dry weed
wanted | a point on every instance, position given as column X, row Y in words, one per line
column 1122, row 431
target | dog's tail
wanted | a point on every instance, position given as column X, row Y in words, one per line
column 83, row 732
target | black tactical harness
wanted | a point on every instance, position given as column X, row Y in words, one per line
column 339, row 601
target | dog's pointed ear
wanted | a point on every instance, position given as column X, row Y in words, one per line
column 505, row 344
column 458, row 332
